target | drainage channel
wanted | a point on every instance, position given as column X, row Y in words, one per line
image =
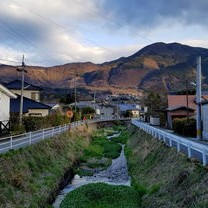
column 115, row 174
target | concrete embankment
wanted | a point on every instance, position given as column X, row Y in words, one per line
column 169, row 178
column 31, row 177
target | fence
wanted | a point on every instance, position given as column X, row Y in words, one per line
column 190, row 148
column 22, row 140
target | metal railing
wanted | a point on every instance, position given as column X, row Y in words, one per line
column 29, row 138
column 191, row 148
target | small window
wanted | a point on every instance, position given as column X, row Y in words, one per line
column 33, row 95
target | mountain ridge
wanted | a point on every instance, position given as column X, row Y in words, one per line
column 159, row 66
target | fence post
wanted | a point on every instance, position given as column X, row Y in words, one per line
column 43, row 134
column 11, row 147
column 170, row 142
column 189, row 151
column 30, row 137
column 52, row 131
column 178, row 146
column 204, row 157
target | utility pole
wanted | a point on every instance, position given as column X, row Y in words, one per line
column 22, row 70
column 75, row 92
column 198, row 99
column 187, row 102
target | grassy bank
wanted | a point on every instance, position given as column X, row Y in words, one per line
column 169, row 178
column 30, row 177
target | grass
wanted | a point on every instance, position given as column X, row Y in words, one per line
column 168, row 178
column 123, row 138
column 101, row 195
column 99, row 153
column 30, row 177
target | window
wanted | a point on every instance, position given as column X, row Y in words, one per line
column 33, row 95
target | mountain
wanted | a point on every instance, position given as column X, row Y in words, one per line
column 158, row 66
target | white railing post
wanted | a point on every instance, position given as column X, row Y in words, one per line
column 52, row 131
column 204, row 157
column 30, row 138
column 189, row 151
column 11, row 147
column 43, row 136
column 171, row 142
column 178, row 146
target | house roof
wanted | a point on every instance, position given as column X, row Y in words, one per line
column 27, row 104
column 17, row 85
column 126, row 107
column 174, row 108
column 180, row 100
column 7, row 91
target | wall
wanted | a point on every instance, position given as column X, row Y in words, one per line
column 43, row 112
column 27, row 93
column 5, row 106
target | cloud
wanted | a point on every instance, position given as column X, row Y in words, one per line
column 148, row 14
column 56, row 32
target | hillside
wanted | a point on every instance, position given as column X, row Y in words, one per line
column 159, row 66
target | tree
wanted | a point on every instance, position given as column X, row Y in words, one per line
column 154, row 102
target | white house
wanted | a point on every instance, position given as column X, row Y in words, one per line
column 30, row 91
column 5, row 96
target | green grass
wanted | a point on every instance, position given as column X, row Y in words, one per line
column 123, row 138
column 30, row 177
column 167, row 178
column 101, row 195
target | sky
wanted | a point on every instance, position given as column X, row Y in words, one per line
column 55, row 32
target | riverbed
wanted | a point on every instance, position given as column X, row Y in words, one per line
column 115, row 174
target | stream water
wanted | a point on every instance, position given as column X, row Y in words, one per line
column 115, row 174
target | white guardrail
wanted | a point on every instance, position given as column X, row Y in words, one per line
column 29, row 138
column 190, row 148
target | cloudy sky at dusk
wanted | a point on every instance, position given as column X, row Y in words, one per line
column 53, row 32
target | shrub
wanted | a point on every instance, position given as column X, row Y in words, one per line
column 182, row 126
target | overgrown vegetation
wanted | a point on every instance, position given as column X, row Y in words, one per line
column 168, row 178
column 99, row 153
column 101, row 195
column 30, row 177
column 185, row 127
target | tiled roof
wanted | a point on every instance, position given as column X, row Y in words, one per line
column 180, row 100
column 17, row 84
column 126, row 107
column 27, row 104
column 173, row 108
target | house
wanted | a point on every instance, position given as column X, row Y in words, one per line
column 5, row 96
column 204, row 111
column 132, row 108
column 181, row 106
column 30, row 107
column 30, row 91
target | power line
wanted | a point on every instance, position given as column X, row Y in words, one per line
column 93, row 12
column 25, row 40
column 59, row 25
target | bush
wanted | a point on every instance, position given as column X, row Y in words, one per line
column 36, row 123
column 182, row 126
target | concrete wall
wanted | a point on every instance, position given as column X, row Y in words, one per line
column 37, row 112
column 4, row 106
column 28, row 94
